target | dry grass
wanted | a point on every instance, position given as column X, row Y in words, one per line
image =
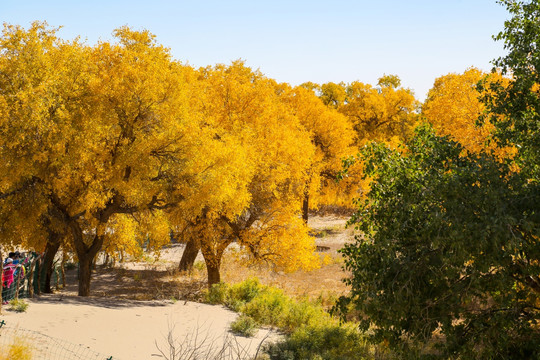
column 18, row 349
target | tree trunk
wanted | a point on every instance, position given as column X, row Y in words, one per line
column 85, row 275
column 31, row 276
column 305, row 207
column 48, row 260
column 189, row 255
column 214, row 276
column 86, row 261
column 212, row 258
column 86, row 255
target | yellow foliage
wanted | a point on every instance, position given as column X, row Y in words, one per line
column 281, row 240
column 386, row 113
column 331, row 135
column 258, row 166
column 91, row 135
column 453, row 108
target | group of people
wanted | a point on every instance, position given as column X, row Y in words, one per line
column 13, row 268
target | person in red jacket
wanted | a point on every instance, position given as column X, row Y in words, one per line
column 8, row 278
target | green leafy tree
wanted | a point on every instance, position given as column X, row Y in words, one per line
column 448, row 262
column 515, row 109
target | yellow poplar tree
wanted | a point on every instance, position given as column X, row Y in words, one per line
column 453, row 108
column 243, row 108
column 385, row 113
column 101, row 130
column 331, row 134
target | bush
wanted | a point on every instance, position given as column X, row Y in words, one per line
column 217, row 294
column 234, row 296
column 328, row 341
column 244, row 292
column 303, row 313
column 244, row 326
column 18, row 305
column 311, row 332
column 268, row 307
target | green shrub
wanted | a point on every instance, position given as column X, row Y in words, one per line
column 244, row 292
column 268, row 306
column 329, row 341
column 18, row 305
column 199, row 265
column 245, row 326
column 217, row 294
column 234, row 296
column 302, row 313
column 312, row 333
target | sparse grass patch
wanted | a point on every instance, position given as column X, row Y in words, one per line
column 18, row 305
column 244, row 325
column 199, row 266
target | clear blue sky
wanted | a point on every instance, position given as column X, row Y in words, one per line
column 296, row 41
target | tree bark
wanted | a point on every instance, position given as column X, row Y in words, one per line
column 86, row 255
column 305, row 207
column 48, row 260
column 31, row 276
column 189, row 255
column 214, row 276
column 85, row 275
column 212, row 258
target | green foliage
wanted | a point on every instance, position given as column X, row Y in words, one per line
column 515, row 108
column 234, row 296
column 244, row 292
column 245, row 326
column 328, row 341
column 269, row 307
column 311, row 333
column 217, row 294
column 450, row 247
column 199, row 265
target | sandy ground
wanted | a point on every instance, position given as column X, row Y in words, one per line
column 127, row 329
